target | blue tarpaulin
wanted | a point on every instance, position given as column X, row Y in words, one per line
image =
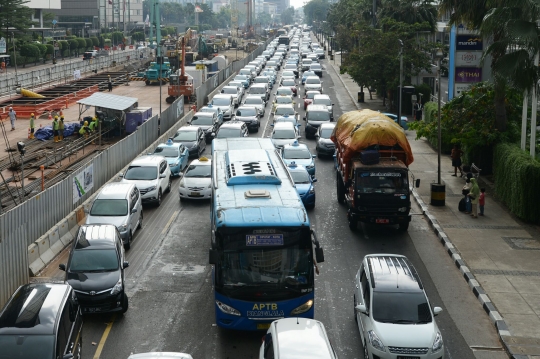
column 46, row 133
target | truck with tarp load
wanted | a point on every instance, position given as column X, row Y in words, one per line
column 372, row 169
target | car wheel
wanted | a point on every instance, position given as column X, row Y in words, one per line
column 354, row 308
column 140, row 221
column 168, row 189
column 127, row 245
column 366, row 353
column 159, row 198
column 125, row 304
column 78, row 350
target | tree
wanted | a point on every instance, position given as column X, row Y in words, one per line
column 28, row 51
column 138, row 36
column 73, row 47
column 264, row 18
column 13, row 14
column 316, row 10
column 287, row 16
column 409, row 11
column 95, row 41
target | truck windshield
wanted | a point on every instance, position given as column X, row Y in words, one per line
column 381, row 182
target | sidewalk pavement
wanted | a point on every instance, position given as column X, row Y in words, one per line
column 497, row 254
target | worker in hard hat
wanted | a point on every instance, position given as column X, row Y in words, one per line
column 61, row 128
column 55, row 127
column 94, row 125
column 84, row 130
column 32, row 126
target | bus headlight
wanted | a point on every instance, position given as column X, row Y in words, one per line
column 227, row 309
column 303, row 308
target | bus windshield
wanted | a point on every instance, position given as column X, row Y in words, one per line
column 280, row 258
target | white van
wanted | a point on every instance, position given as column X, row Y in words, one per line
column 287, row 337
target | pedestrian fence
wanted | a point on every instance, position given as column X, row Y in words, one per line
column 53, row 216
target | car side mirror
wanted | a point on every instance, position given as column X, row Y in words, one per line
column 134, row 210
column 362, row 309
column 189, row 122
column 125, row 264
column 68, row 356
column 213, row 256
column 121, row 175
column 163, row 175
column 314, row 156
column 62, row 266
column 437, row 310
column 313, row 180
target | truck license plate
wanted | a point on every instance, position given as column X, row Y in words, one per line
column 263, row 325
column 93, row 310
column 382, row 220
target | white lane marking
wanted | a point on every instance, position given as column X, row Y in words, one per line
column 169, row 223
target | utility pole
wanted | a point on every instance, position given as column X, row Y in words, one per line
column 532, row 145
column 400, row 79
column 374, row 14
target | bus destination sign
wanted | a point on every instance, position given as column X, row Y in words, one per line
column 253, row 240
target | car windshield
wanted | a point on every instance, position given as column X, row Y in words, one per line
column 141, row 173
column 318, row 116
column 241, row 78
column 271, row 63
column 257, row 90
column 286, row 119
column 290, row 66
column 284, row 91
column 253, row 101
column 93, row 260
column 326, row 132
column 313, row 81
column 307, row 62
column 381, row 182
column 202, row 121
column 109, row 207
column 167, row 151
column 244, row 71
column 228, row 132
column 185, row 136
column 284, row 111
column 221, row 101
column 236, row 83
column 309, row 73
column 322, row 101
column 288, row 82
column 315, row 66
column 20, row 346
column 229, row 90
column 296, row 154
column 246, row 112
column 401, row 308
column 300, row 177
column 311, row 95
column 198, row 171
column 287, row 74
column 283, row 134
column 261, row 80
column 284, row 100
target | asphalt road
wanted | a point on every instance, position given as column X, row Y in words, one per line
column 169, row 280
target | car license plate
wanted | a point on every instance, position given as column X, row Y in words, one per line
column 92, row 310
column 194, row 194
column 382, row 220
column 263, row 325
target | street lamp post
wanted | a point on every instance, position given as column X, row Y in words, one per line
column 400, row 79
column 438, row 190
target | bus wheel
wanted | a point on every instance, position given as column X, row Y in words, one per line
column 340, row 189
column 353, row 222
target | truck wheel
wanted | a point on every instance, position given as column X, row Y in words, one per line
column 170, row 99
column 147, row 82
column 340, row 189
column 403, row 227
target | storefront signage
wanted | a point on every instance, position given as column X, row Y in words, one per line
column 468, row 74
column 468, row 58
column 469, row 43
column 460, row 88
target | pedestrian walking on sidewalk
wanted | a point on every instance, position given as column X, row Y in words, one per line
column 109, row 84
column 61, row 128
column 12, row 118
column 418, row 111
column 3, row 66
column 32, row 126
column 474, row 195
column 456, row 160
column 482, row 201
column 465, row 191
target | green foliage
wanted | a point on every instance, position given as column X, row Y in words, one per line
column 82, row 44
column 425, row 90
column 101, row 41
column 14, row 14
column 50, row 49
column 42, row 49
column 164, row 32
column 469, row 120
column 287, row 16
column 517, row 176
column 63, row 44
column 316, row 10
column 95, row 41
column 117, row 37
column 138, row 36
column 89, row 43
column 73, row 47
column 29, row 50
column 430, row 111
column 107, row 42
column 171, row 30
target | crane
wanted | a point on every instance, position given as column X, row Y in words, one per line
column 179, row 84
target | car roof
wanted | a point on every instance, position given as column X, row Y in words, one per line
column 254, row 96
column 392, row 273
column 202, row 161
column 222, row 95
column 246, row 108
column 329, row 125
column 188, row 129
column 321, row 96
column 230, row 86
column 33, row 309
column 317, row 108
column 232, row 124
column 147, row 160
column 313, row 77
column 297, row 145
column 287, row 106
column 172, row 144
column 297, row 168
column 204, row 114
column 115, row 190
column 284, row 124
column 97, row 236
column 210, row 107
column 259, row 85
column 309, row 334
column 160, row 355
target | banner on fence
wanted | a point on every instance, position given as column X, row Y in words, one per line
column 83, row 182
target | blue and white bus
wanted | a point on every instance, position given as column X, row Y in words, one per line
column 262, row 244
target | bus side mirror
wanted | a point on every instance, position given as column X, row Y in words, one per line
column 417, row 182
column 213, row 256
column 319, row 255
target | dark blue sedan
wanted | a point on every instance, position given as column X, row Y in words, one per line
column 304, row 184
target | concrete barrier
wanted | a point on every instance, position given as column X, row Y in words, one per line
column 52, row 237
column 73, row 225
column 54, row 240
column 36, row 264
column 63, row 232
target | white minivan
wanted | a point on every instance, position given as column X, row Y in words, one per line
column 287, row 337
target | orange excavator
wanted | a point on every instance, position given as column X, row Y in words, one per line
column 179, row 84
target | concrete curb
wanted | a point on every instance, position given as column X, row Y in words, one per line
column 483, row 298
column 345, row 86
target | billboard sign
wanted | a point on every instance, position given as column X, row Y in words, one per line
column 468, row 43
column 468, row 74
column 468, row 58
column 460, row 88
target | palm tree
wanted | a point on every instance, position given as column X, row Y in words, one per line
column 409, row 11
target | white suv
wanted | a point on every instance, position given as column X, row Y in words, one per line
column 392, row 310
column 151, row 175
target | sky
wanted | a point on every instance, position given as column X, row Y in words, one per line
column 297, row 3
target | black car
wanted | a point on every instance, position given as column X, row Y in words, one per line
column 250, row 116
column 41, row 320
column 95, row 269
column 207, row 121
column 193, row 137
column 317, row 68
column 325, row 146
